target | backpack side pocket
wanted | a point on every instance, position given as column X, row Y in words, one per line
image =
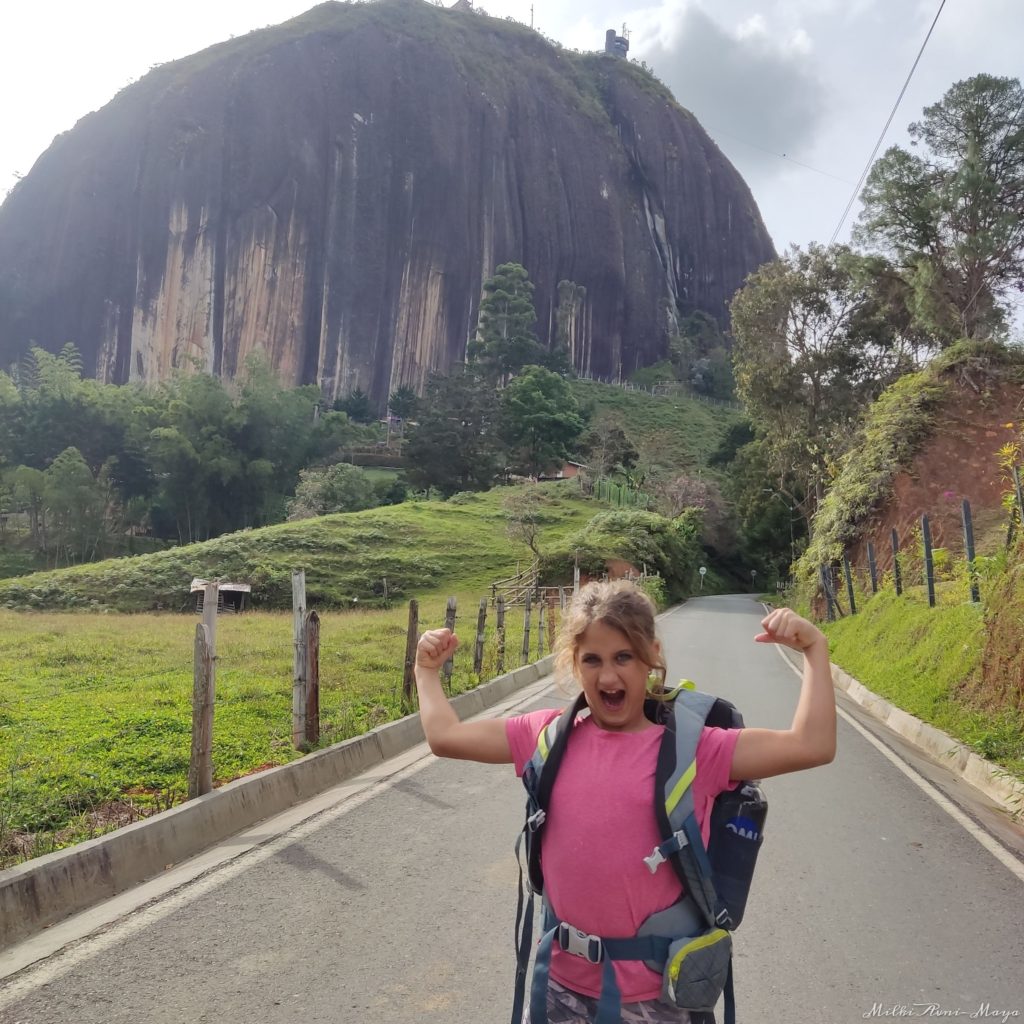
column 696, row 970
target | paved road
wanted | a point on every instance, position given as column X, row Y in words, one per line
column 396, row 906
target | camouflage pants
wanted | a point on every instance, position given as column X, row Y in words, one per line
column 566, row 1007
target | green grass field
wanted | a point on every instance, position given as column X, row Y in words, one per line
column 96, row 707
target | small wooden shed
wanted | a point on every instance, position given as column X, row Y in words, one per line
column 231, row 597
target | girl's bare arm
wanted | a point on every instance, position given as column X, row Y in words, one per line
column 811, row 738
column 484, row 740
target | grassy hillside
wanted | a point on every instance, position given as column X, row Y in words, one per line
column 419, row 546
column 675, row 432
column 893, row 431
column 929, row 662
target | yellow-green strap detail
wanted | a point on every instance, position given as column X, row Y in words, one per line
column 680, row 787
column 543, row 745
column 701, row 942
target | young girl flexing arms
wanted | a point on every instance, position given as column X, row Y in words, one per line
column 601, row 822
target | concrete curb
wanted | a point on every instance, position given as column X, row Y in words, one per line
column 988, row 778
column 43, row 891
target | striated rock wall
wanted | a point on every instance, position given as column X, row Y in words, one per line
column 335, row 190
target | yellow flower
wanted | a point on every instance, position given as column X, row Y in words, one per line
column 1009, row 426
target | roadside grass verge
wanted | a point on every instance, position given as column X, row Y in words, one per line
column 924, row 660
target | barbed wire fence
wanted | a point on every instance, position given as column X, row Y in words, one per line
column 934, row 560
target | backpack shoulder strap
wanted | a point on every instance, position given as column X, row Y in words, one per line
column 539, row 779
column 674, row 807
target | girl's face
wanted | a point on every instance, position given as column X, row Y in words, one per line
column 613, row 678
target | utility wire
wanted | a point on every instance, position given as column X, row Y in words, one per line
column 712, row 129
column 892, row 114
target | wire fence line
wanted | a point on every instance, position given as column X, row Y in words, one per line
column 95, row 745
column 912, row 563
column 663, row 389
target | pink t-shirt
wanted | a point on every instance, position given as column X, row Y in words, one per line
column 600, row 826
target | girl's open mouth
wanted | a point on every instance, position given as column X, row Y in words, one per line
column 613, row 700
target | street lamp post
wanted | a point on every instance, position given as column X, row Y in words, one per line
column 790, row 509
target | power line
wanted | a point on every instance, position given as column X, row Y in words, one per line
column 892, row 114
column 772, row 152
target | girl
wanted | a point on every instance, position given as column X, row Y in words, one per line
column 601, row 822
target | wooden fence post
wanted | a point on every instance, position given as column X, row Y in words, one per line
column 412, row 638
column 299, row 660
column 449, row 622
column 478, row 652
column 849, row 584
column 526, row 633
column 969, row 549
column 872, row 568
column 825, row 574
column 551, row 622
column 200, row 767
column 211, row 599
column 311, row 646
column 1017, row 512
column 929, row 565
column 540, row 629
column 499, row 604
column 897, row 576
column 561, row 598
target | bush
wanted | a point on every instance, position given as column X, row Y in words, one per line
column 654, row 588
column 670, row 547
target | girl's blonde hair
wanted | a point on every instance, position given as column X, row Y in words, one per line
column 622, row 606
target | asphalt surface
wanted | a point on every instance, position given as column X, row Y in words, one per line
column 397, row 906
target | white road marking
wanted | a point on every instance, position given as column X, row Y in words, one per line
column 51, row 957
column 1004, row 856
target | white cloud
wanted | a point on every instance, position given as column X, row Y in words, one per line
column 754, row 27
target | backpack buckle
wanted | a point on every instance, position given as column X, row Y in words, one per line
column 723, row 919
column 656, row 859
column 535, row 820
column 658, row 854
column 572, row 940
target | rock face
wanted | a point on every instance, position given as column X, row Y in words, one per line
column 336, row 189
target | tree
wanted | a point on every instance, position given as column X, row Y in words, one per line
column 453, row 446
column 812, row 349
column 607, row 448
column 338, row 488
column 540, row 420
column 76, row 503
column 402, row 403
column 10, row 418
column 679, row 493
column 524, row 517
column 505, row 340
column 356, row 404
column 952, row 216
column 29, row 493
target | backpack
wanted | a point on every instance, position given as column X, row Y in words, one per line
column 689, row 943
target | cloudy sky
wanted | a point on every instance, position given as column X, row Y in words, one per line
column 795, row 92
